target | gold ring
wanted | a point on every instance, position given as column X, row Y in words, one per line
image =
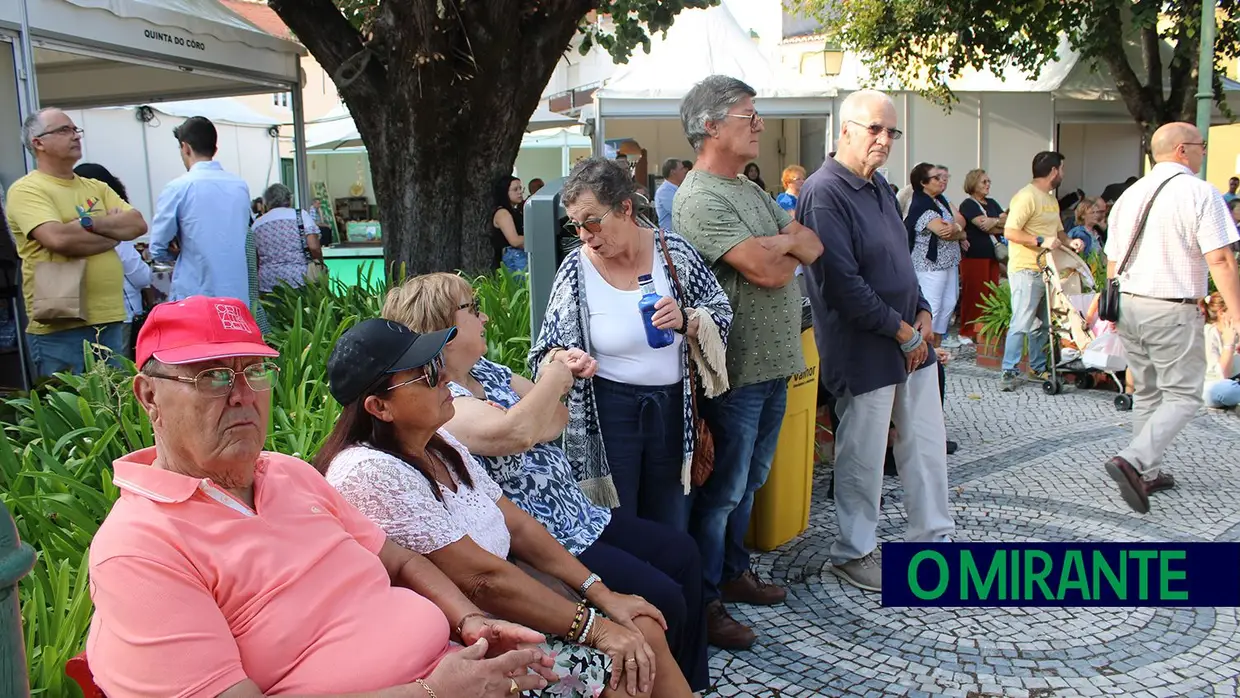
column 513, row 689
column 629, row 661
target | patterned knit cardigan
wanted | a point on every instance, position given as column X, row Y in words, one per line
column 567, row 325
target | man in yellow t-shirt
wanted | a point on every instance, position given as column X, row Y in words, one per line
column 57, row 216
column 1033, row 224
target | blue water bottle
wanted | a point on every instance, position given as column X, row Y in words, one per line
column 655, row 337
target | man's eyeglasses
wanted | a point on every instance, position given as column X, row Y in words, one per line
column 430, row 374
column 1202, row 144
column 474, row 307
column 62, row 131
column 894, row 134
column 218, row 382
column 593, row 225
column 755, row 120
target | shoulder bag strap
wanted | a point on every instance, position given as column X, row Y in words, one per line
column 680, row 291
column 301, row 230
column 1136, row 238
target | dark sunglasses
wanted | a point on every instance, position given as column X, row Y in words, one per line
column 593, row 225
column 894, row 134
column 430, row 374
column 474, row 307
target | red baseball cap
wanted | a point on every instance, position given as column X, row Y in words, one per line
column 200, row 329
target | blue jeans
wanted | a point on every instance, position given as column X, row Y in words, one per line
column 1223, row 394
column 643, row 432
column 62, row 351
column 745, row 424
column 1028, row 320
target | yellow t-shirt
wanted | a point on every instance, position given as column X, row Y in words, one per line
column 1037, row 213
column 39, row 198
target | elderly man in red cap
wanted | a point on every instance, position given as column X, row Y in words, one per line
column 225, row 570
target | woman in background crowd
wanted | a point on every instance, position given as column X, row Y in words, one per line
column 286, row 241
column 1089, row 216
column 137, row 270
column 508, row 223
column 984, row 219
column 935, row 240
column 754, row 174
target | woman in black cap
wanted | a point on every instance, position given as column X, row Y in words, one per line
column 390, row 458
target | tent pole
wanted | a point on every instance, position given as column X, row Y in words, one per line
column 32, row 86
column 299, row 151
column 600, row 145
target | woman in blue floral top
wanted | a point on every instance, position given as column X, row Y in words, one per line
column 510, row 424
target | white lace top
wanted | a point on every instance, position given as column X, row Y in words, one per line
column 399, row 499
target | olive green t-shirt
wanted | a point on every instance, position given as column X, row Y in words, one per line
column 716, row 214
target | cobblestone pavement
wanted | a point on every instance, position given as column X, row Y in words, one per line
column 1029, row 468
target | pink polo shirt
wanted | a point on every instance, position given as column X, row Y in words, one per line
column 194, row 592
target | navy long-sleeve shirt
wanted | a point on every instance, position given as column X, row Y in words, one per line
column 863, row 285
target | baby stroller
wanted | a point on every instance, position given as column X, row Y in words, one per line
column 1077, row 352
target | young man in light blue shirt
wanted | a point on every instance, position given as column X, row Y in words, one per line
column 207, row 211
column 674, row 172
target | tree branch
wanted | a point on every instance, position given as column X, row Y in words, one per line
column 1111, row 51
column 333, row 41
column 1151, row 45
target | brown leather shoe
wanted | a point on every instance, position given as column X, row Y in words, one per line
column 1131, row 487
column 724, row 631
column 1164, row 481
column 748, row 588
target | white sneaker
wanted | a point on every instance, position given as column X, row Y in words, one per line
column 952, row 342
column 864, row 573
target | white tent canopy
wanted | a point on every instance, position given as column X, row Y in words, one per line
column 219, row 111
column 137, row 51
column 336, row 131
column 702, row 43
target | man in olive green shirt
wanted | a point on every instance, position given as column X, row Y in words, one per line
column 754, row 248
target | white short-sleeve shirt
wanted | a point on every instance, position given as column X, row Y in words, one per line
column 398, row 498
column 1187, row 220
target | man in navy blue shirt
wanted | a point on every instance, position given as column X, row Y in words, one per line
column 872, row 327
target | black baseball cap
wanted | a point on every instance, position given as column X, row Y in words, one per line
column 375, row 348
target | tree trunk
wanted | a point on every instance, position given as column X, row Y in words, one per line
column 441, row 93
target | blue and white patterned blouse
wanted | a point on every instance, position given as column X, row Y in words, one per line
column 566, row 324
column 539, row 481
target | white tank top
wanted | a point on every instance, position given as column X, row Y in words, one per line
column 618, row 336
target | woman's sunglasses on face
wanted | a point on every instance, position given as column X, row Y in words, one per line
column 474, row 307
column 593, row 225
column 430, row 374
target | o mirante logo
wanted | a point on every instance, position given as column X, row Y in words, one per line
column 1061, row 574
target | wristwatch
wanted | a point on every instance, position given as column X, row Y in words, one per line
column 88, row 223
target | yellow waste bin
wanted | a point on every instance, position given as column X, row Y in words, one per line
column 781, row 506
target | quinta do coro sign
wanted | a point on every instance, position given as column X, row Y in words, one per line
column 173, row 39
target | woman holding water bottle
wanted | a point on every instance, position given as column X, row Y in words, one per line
column 628, row 310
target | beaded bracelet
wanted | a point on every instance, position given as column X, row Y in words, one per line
column 581, row 613
column 585, row 632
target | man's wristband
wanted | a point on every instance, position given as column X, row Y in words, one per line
column 912, row 344
column 1040, row 240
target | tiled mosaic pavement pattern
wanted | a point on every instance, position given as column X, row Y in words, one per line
column 1029, row 468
